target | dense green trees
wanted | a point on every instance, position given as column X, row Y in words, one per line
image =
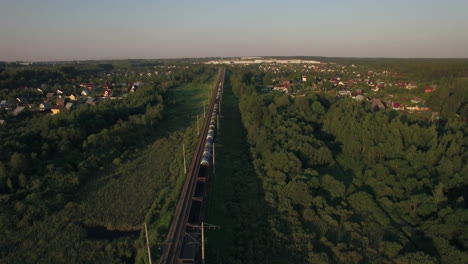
column 451, row 99
column 48, row 157
column 61, row 175
column 348, row 185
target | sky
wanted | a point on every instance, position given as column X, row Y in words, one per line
column 45, row 30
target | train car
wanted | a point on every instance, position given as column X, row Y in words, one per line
column 211, row 133
column 205, row 160
column 208, row 148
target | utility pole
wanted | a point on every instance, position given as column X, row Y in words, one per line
column 183, row 150
column 203, row 242
column 213, row 157
column 147, row 244
column 198, row 127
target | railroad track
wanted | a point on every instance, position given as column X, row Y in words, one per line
column 177, row 232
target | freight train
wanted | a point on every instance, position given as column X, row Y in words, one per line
column 208, row 149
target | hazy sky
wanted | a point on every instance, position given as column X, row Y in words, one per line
column 116, row 29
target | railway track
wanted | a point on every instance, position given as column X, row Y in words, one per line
column 176, row 238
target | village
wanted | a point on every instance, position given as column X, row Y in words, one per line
column 381, row 89
column 52, row 100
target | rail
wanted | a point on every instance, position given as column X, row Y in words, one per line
column 176, row 234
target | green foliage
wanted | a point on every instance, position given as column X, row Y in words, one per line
column 451, row 98
column 61, row 175
column 370, row 187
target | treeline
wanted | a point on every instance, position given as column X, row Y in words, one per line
column 347, row 185
column 436, row 70
column 44, row 160
column 451, row 98
column 14, row 78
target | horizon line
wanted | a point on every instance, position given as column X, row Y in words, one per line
column 226, row 57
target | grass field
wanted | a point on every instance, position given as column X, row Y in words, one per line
column 104, row 224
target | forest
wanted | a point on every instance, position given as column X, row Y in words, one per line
column 345, row 184
column 80, row 184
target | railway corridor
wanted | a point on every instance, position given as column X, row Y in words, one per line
column 184, row 236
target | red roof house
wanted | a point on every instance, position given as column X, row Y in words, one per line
column 429, row 89
column 397, row 106
column 108, row 92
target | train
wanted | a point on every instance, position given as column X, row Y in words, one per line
column 209, row 140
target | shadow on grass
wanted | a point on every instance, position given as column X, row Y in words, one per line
column 236, row 199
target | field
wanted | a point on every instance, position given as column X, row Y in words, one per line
column 104, row 224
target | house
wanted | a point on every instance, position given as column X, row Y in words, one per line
column 73, row 97
column 413, row 108
column 286, row 84
column 85, row 93
column 55, row 109
column 44, row 107
column 281, row 88
column 377, row 105
column 410, row 86
column 429, row 89
column 90, row 86
column 344, row 93
column 91, row 101
column 49, row 96
column 5, row 105
column 2, row 122
column 416, row 100
column 304, row 78
column 60, row 101
column 359, row 97
column 397, row 106
column 375, row 89
column 69, row 106
column 108, row 92
column 18, row 110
